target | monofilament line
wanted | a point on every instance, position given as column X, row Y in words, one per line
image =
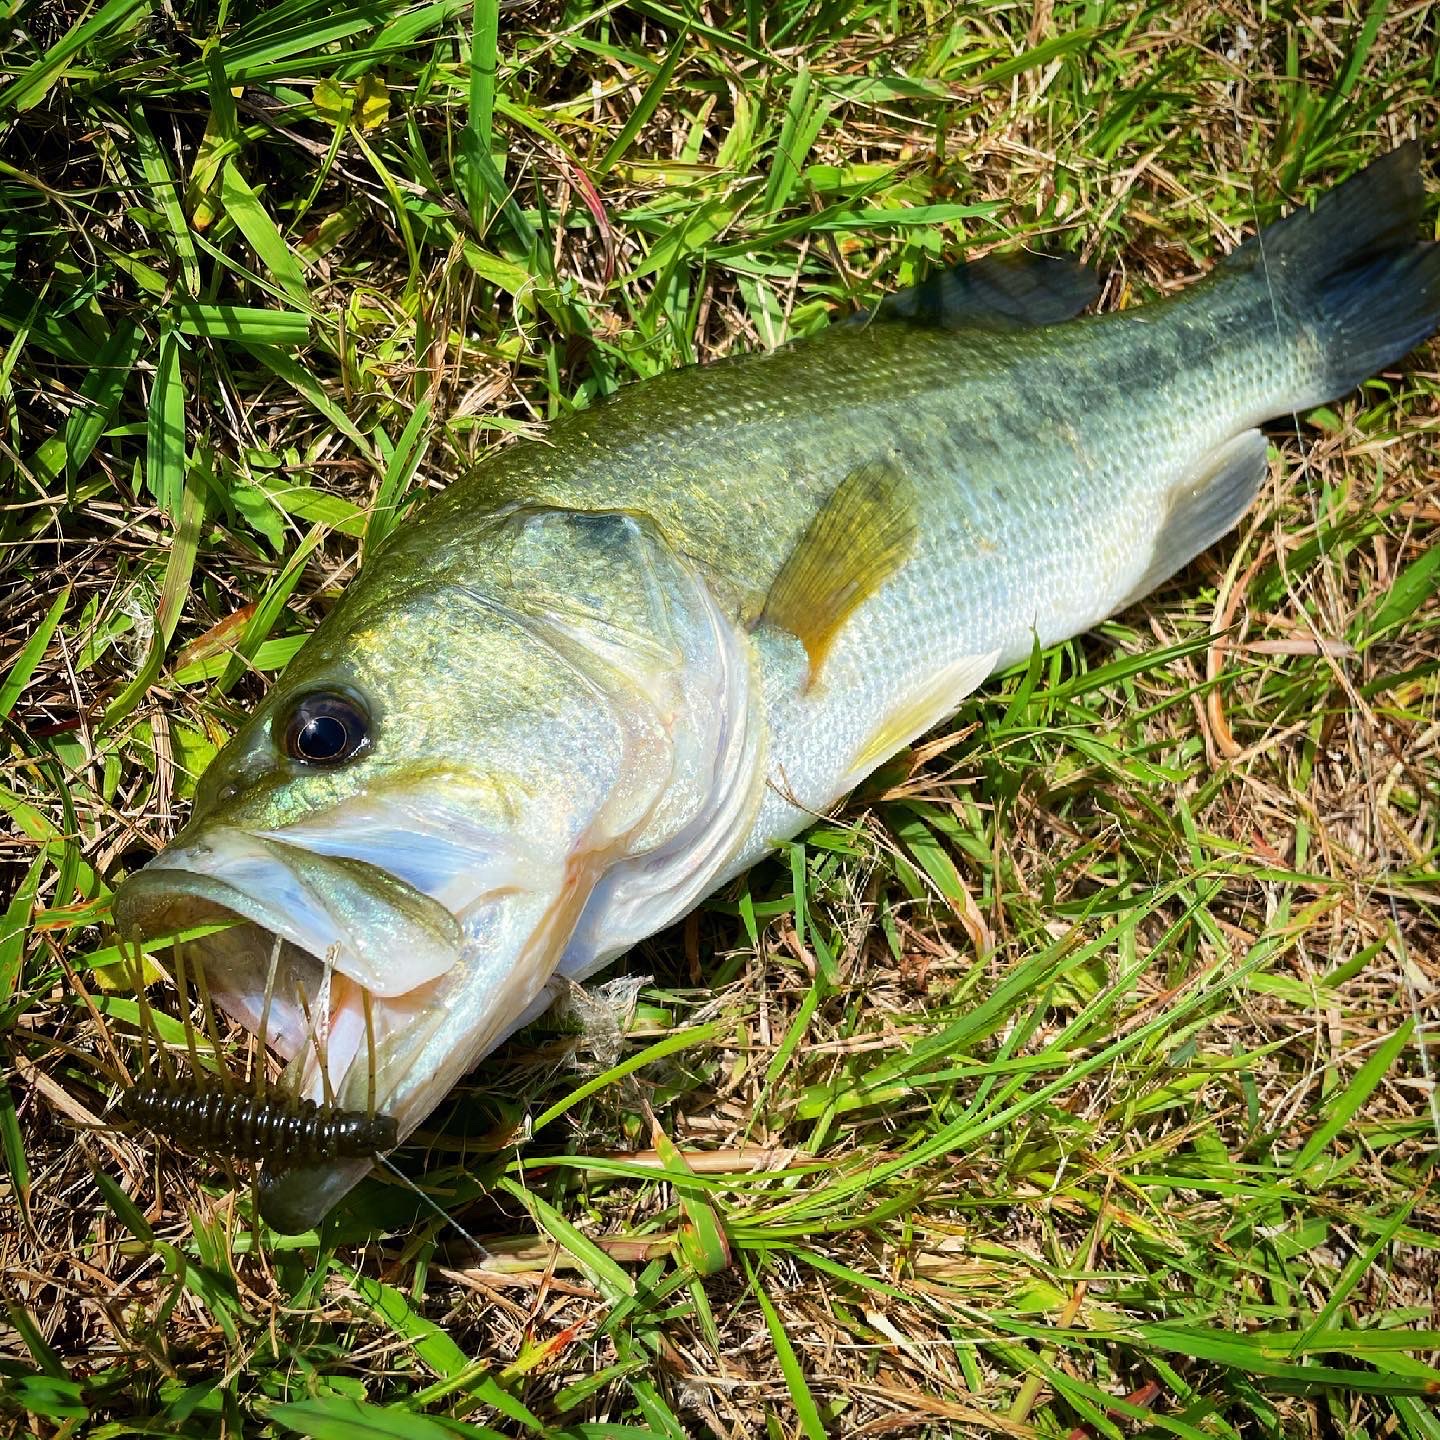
column 1380, row 838
column 433, row 1204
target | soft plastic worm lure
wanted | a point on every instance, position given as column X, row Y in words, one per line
column 207, row 1120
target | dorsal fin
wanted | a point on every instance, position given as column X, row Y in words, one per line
column 998, row 292
column 857, row 540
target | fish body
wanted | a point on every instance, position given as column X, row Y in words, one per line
column 602, row 674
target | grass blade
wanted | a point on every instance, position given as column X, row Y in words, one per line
column 1345, row 1104
column 252, row 219
column 651, row 98
column 339, row 1417
column 12, row 1140
column 304, row 383
column 268, row 610
column 794, row 1373
column 671, row 1044
column 479, row 179
column 1415, row 584
column 162, row 187
column 399, row 472
column 165, row 434
column 30, row 656
column 242, row 324
column 101, row 391
column 484, row 60
column 174, row 590
column 804, row 119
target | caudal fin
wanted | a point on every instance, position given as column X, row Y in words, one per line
column 1354, row 273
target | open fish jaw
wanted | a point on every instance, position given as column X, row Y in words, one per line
column 391, row 1043
column 324, row 938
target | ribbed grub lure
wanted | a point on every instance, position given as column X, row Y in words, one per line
column 207, row 1120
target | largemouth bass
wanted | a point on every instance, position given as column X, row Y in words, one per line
column 601, row 675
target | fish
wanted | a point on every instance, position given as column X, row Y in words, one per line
column 602, row 674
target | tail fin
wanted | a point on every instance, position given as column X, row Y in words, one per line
column 1354, row 272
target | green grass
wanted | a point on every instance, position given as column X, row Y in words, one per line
column 1070, row 1081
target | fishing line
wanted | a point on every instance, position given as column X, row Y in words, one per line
column 433, row 1204
column 1379, row 835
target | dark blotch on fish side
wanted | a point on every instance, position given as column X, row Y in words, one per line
column 208, row 1120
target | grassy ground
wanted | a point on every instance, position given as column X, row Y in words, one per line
column 1069, row 1082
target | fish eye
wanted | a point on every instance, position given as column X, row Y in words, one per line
column 325, row 728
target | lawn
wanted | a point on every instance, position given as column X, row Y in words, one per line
column 1071, row 1080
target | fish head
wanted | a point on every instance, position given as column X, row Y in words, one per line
column 407, row 829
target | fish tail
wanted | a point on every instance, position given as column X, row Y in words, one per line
column 1353, row 274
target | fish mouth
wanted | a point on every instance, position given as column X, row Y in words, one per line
column 379, row 988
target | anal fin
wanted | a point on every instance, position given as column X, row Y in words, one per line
column 858, row 539
column 1205, row 505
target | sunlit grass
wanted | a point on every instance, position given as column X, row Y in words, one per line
column 1070, row 1080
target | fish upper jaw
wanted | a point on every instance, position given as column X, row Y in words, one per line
column 369, row 924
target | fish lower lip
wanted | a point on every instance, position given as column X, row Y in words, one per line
column 291, row 982
column 296, row 1200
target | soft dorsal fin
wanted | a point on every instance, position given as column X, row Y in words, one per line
column 999, row 292
column 858, row 539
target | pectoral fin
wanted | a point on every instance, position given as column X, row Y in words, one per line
column 1205, row 505
column 860, row 537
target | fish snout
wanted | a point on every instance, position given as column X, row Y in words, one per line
column 378, row 993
